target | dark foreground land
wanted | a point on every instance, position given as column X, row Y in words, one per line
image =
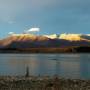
column 42, row 83
column 70, row 49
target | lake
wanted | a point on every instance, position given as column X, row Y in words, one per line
column 64, row 65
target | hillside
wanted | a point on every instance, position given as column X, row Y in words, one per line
column 53, row 43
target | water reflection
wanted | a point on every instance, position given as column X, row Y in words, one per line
column 65, row 65
column 85, row 66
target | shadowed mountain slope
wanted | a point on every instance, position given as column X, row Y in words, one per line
column 34, row 41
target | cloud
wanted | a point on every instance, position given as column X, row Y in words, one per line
column 11, row 33
column 34, row 30
column 10, row 9
column 11, row 22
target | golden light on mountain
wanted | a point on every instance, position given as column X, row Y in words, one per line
column 71, row 37
column 53, row 40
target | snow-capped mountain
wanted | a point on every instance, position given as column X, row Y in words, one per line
column 70, row 37
column 54, row 40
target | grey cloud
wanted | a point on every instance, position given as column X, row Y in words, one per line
column 9, row 9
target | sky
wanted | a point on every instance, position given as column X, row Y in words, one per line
column 51, row 16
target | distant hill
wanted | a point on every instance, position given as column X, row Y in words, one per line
column 27, row 41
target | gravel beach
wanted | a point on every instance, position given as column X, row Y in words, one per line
column 42, row 83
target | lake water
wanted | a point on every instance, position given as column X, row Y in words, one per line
column 64, row 65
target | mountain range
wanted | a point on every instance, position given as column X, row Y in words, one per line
column 43, row 41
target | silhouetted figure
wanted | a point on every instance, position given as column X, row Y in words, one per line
column 27, row 72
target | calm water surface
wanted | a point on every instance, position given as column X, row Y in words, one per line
column 65, row 65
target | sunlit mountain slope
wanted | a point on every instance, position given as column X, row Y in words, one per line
column 30, row 40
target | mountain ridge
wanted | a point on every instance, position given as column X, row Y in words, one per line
column 35, row 41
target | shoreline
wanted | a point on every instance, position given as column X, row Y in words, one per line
column 72, row 49
column 42, row 83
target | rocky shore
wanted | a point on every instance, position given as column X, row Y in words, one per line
column 42, row 83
